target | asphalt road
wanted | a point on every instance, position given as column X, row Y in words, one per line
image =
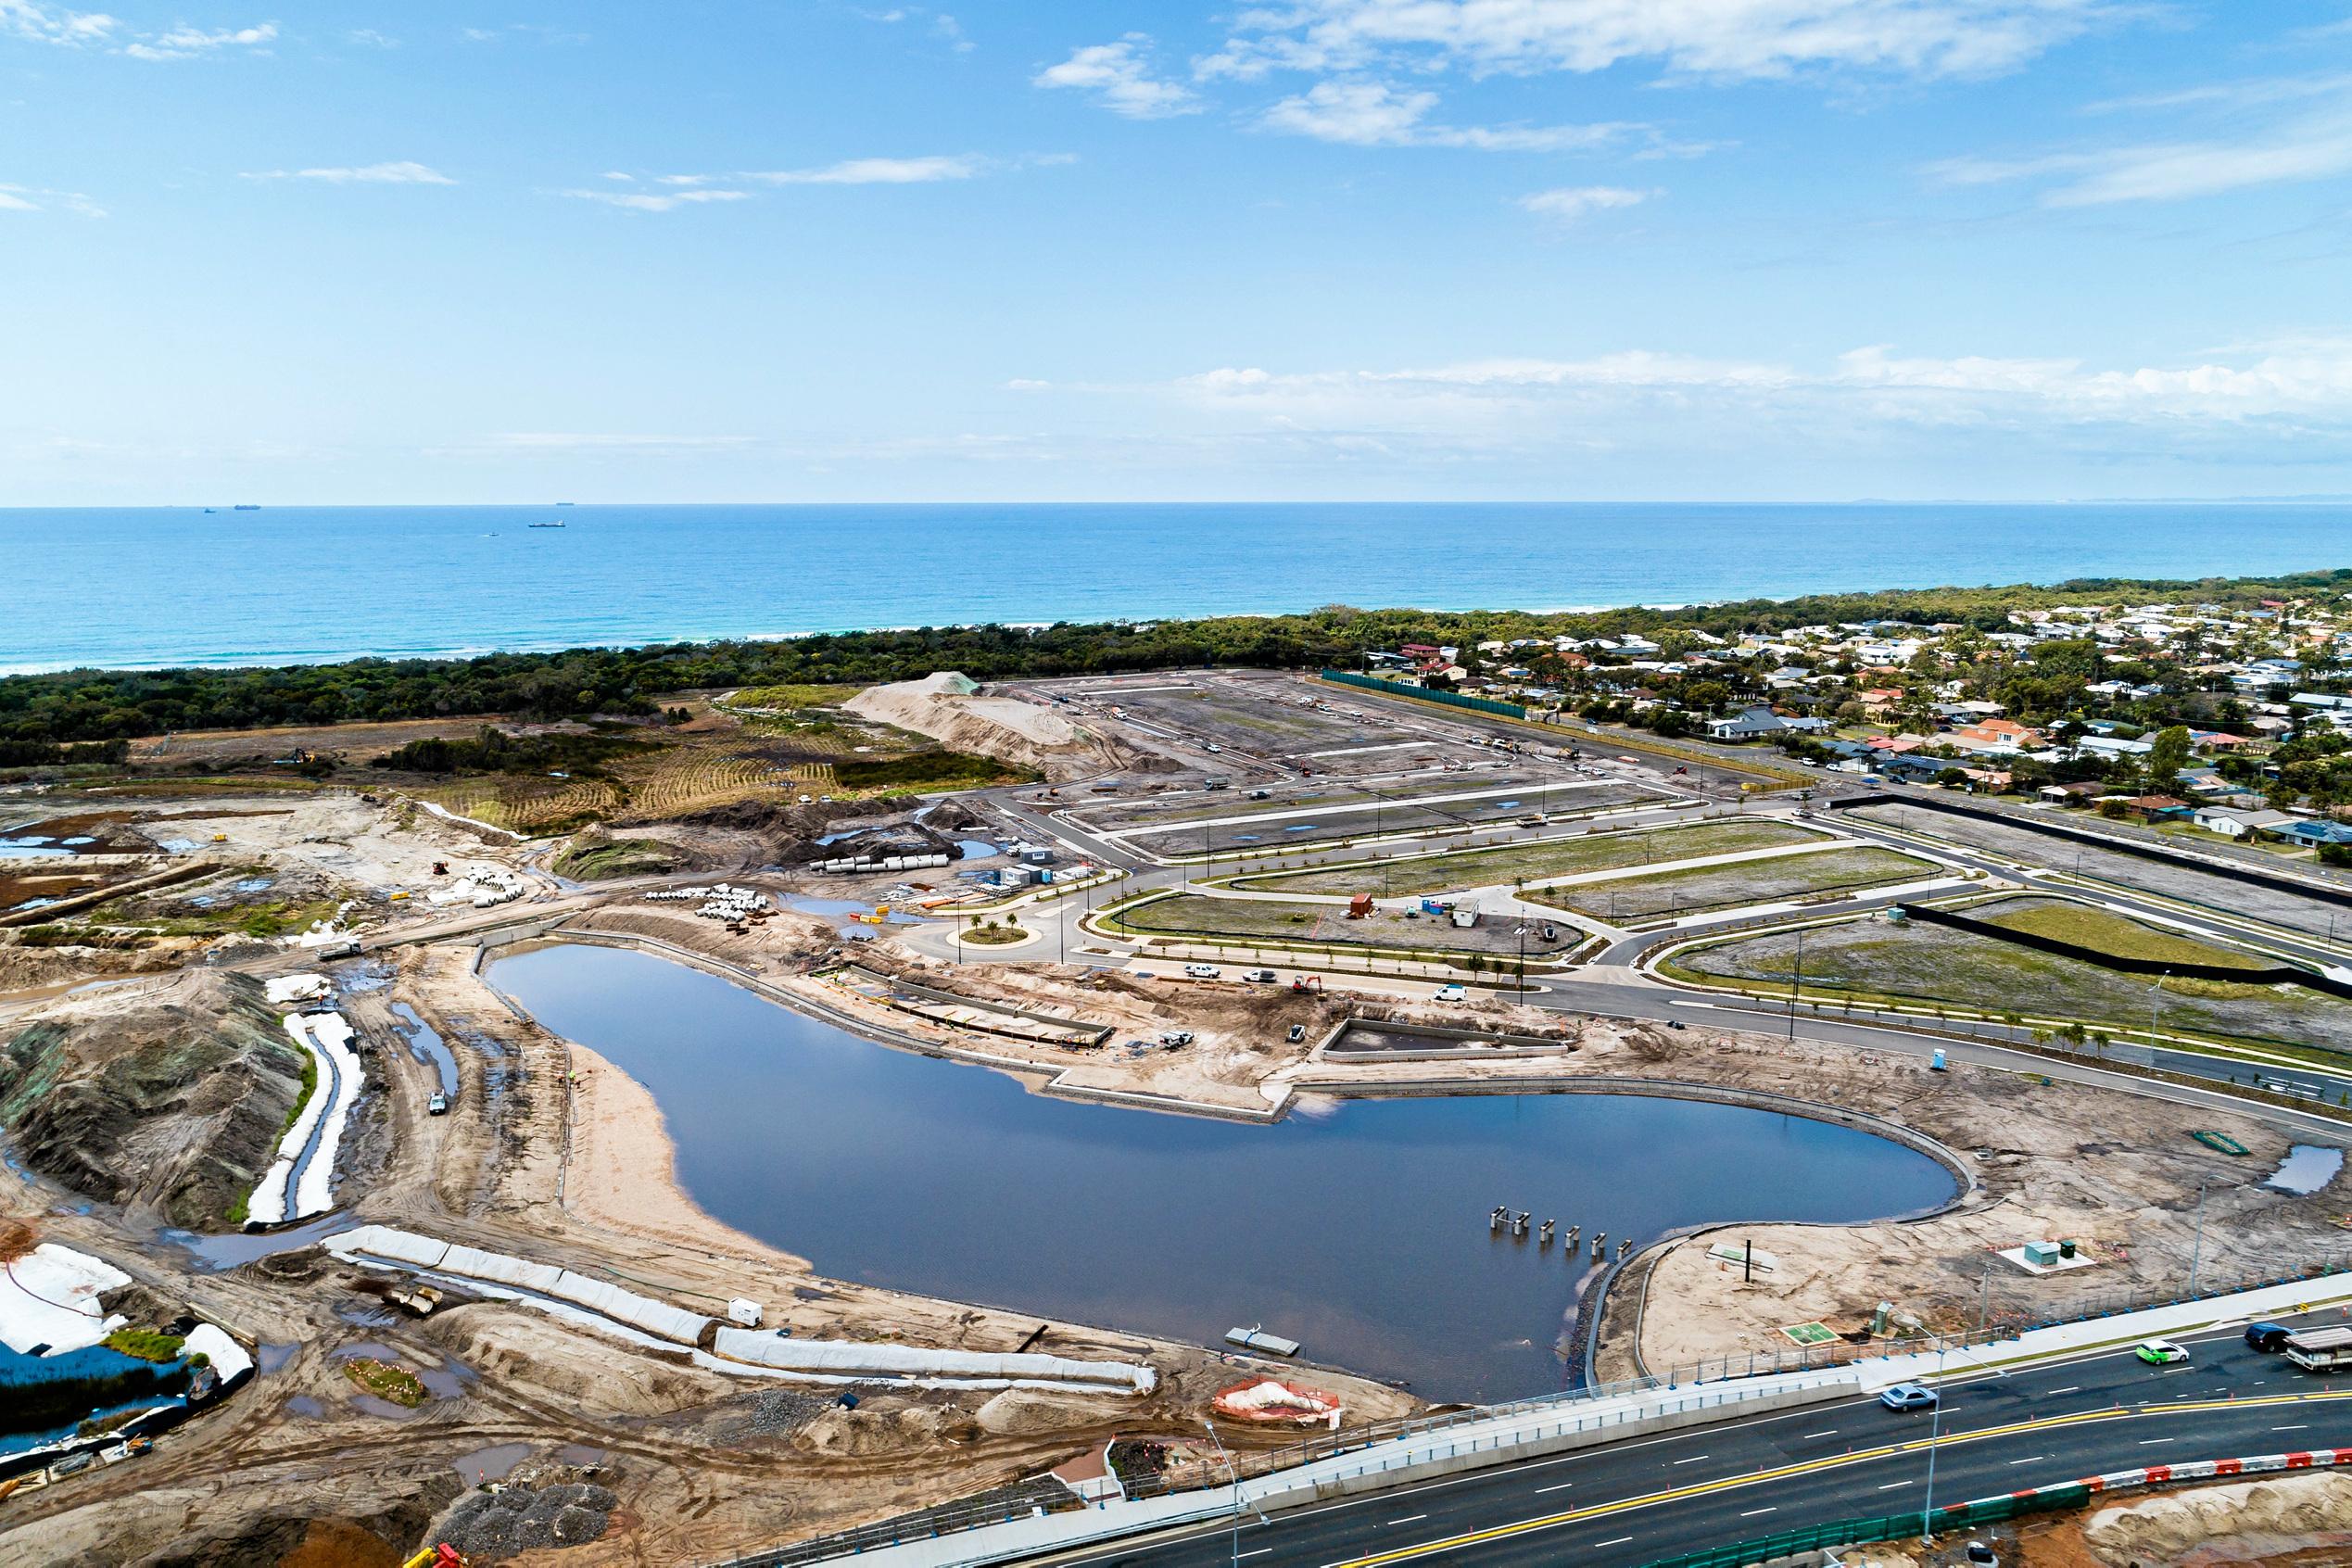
column 1633, row 1503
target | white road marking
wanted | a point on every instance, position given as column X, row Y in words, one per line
column 2031, row 1459
column 1409, row 1519
column 1255, row 1551
column 2146, row 1441
column 1892, row 1485
column 1692, row 1459
column 1826, row 1431
column 2306, row 1427
column 1561, row 1487
column 1753, row 1511
column 2076, row 1389
column 1621, row 1541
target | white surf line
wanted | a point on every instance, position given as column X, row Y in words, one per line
column 1414, row 803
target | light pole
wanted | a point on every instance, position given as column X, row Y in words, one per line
column 1796, row 984
column 1236, row 1476
column 1935, row 1432
column 2196, row 1251
column 2155, row 1005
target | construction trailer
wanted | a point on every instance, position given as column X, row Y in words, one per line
column 2320, row 1350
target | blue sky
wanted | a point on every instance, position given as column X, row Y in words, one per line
column 1770, row 249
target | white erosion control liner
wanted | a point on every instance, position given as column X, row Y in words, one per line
column 50, row 1296
column 333, row 1034
column 826, row 1360
column 327, row 1038
column 228, row 1357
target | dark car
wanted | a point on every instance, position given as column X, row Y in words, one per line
column 2269, row 1338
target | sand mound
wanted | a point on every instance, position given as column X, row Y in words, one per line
column 2247, row 1522
column 951, row 710
column 1022, row 1411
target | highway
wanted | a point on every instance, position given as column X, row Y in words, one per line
column 1635, row 1502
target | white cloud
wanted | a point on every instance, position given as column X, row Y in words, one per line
column 26, row 198
column 572, row 441
column 2303, row 386
column 368, row 37
column 1568, row 203
column 1731, row 38
column 2317, row 148
column 185, row 43
column 1121, row 79
column 640, row 201
column 402, row 173
column 53, row 24
column 1372, row 114
column 878, row 172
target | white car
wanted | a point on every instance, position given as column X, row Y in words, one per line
column 1201, row 971
column 1258, row 977
column 1449, row 993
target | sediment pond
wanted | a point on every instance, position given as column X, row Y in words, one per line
column 1358, row 1227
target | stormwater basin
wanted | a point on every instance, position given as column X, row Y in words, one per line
column 43, row 1398
column 2307, row 1169
column 1361, row 1232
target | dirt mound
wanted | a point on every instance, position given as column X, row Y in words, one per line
column 1021, row 1412
column 945, row 707
column 2248, row 1522
column 169, row 1101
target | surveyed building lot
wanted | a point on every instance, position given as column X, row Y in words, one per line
column 1197, row 805
column 1472, row 805
column 1514, row 865
column 1202, row 918
column 1875, row 959
column 1700, row 889
column 1258, row 715
column 2213, row 889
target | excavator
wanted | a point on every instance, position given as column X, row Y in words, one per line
column 441, row 1556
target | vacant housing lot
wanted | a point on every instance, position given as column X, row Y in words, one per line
column 1873, row 958
column 1477, row 805
column 1238, row 920
column 1532, row 862
column 2214, row 889
column 1660, row 895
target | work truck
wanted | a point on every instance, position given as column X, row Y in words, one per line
column 2320, row 1350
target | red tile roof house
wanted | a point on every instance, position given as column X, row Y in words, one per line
column 1998, row 732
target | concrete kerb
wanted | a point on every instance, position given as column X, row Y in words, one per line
column 1570, row 1425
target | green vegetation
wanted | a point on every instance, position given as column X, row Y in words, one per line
column 84, row 705
column 2109, row 933
column 593, row 857
column 926, row 771
column 989, row 933
column 259, row 921
column 1915, row 964
column 1531, row 861
column 146, row 1345
column 792, row 697
column 494, row 751
column 385, row 1381
column 1700, row 888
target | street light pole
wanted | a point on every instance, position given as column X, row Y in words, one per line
column 1236, row 1476
column 2155, row 1005
column 2197, row 1252
column 1935, row 1432
column 1796, row 984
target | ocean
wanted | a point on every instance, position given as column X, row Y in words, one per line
column 146, row 587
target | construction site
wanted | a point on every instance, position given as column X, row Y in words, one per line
column 820, row 1113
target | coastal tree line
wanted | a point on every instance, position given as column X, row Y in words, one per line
column 81, row 706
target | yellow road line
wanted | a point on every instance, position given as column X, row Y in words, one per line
column 1808, row 1467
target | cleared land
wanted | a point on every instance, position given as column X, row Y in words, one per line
column 1239, row 921
column 1722, row 887
column 1280, row 831
column 1271, row 721
column 1532, row 862
column 2212, row 890
column 1937, row 965
column 2109, row 932
column 1193, row 805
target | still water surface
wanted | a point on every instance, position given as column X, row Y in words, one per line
column 1359, row 1230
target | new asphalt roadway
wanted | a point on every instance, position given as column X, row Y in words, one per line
column 1636, row 1503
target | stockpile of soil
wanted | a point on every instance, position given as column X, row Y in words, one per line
column 171, row 1101
column 491, row 1527
column 1004, row 727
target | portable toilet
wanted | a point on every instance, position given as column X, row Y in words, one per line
column 1936, row 1063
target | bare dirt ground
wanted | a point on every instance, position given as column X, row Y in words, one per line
column 993, row 725
column 550, row 1153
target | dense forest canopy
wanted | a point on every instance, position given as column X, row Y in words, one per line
column 97, row 705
